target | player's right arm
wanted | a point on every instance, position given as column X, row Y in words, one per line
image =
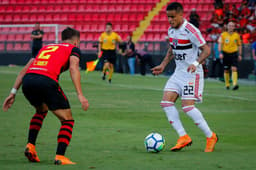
column 100, row 45
column 220, row 46
column 76, row 78
column 160, row 68
column 8, row 102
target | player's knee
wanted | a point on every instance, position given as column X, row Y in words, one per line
column 164, row 104
column 188, row 108
column 234, row 69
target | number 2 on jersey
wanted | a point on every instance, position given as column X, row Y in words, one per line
column 44, row 54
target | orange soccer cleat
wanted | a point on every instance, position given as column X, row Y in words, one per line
column 210, row 142
column 62, row 160
column 181, row 143
column 30, row 153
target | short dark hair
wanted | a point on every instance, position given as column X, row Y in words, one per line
column 109, row 23
column 175, row 6
column 69, row 33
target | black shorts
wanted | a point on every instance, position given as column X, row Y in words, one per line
column 109, row 56
column 39, row 89
column 229, row 60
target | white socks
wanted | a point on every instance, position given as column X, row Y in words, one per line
column 198, row 119
column 173, row 117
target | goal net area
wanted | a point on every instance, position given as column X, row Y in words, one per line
column 17, row 38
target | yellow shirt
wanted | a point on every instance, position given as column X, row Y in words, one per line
column 230, row 42
column 108, row 41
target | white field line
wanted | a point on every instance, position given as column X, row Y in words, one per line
column 141, row 88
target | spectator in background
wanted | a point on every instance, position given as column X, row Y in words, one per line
column 244, row 11
column 131, row 56
column 218, row 4
column 246, row 37
column 194, row 18
column 219, row 11
column 122, row 60
column 234, row 11
column 143, row 59
column 254, row 55
column 37, row 37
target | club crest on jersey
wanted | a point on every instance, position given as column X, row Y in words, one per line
column 175, row 43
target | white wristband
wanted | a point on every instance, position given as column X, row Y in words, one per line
column 195, row 63
column 13, row 91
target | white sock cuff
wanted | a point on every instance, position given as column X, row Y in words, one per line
column 166, row 104
column 188, row 108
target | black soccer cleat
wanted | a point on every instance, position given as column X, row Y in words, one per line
column 236, row 87
column 109, row 81
column 227, row 87
column 104, row 76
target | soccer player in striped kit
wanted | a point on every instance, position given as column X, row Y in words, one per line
column 39, row 80
column 187, row 81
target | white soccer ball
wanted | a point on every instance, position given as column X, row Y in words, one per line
column 154, row 142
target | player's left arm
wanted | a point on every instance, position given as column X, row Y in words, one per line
column 11, row 98
column 205, row 52
column 239, row 43
column 198, row 40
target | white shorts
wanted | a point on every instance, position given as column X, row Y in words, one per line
column 188, row 86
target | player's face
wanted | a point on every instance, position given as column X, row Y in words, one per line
column 37, row 26
column 77, row 41
column 108, row 28
column 174, row 18
column 231, row 26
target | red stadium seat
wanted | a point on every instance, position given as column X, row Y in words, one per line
column 9, row 46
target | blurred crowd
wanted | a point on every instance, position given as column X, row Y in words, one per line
column 244, row 16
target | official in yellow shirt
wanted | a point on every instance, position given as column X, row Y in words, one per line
column 231, row 52
column 107, row 45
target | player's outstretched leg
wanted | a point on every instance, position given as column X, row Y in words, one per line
column 64, row 136
column 234, row 78
column 174, row 119
column 226, row 79
column 34, row 128
column 197, row 117
column 111, row 70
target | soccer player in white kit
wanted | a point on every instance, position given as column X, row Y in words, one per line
column 189, row 49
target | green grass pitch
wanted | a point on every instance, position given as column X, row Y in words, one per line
column 110, row 134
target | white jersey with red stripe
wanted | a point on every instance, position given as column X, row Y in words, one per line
column 185, row 42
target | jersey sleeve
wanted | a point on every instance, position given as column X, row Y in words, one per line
column 238, row 40
column 196, row 37
column 118, row 38
column 76, row 52
column 101, row 38
column 42, row 32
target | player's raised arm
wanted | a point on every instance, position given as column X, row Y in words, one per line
column 76, row 78
column 160, row 68
column 205, row 52
column 11, row 98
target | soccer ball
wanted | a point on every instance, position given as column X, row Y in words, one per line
column 154, row 142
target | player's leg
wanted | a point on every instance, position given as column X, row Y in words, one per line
column 105, row 67
column 226, row 64
column 112, row 62
column 34, row 128
column 171, row 93
column 195, row 114
column 111, row 71
column 58, row 103
column 65, row 134
column 33, row 93
column 234, row 71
